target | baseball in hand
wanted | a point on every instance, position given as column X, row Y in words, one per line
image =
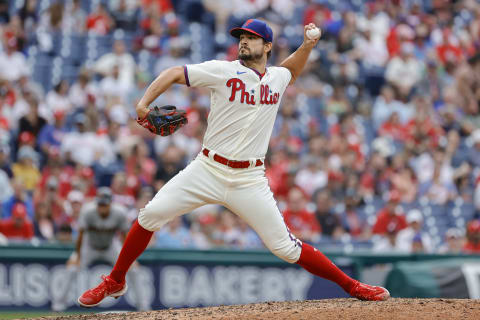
column 313, row 33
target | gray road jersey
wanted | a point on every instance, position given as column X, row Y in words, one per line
column 99, row 232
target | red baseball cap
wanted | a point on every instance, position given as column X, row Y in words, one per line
column 255, row 26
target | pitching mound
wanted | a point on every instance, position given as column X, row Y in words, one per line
column 318, row 309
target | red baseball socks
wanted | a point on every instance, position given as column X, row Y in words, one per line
column 136, row 242
column 317, row 263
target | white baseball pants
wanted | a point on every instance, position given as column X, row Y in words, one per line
column 245, row 192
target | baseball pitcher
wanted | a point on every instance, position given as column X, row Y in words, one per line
column 245, row 97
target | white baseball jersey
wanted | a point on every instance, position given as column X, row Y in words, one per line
column 244, row 105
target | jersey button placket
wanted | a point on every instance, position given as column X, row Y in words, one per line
column 255, row 107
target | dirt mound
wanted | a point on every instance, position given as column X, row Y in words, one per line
column 316, row 309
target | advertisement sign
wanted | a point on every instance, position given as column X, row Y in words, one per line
column 33, row 285
column 453, row 278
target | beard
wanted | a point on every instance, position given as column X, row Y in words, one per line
column 247, row 55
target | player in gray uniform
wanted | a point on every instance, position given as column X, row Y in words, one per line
column 99, row 224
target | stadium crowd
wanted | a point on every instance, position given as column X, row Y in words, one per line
column 377, row 143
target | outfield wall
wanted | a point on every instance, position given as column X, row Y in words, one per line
column 31, row 276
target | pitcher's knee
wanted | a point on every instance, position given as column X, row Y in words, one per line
column 288, row 251
column 150, row 219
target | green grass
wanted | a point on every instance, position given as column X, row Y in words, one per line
column 4, row 315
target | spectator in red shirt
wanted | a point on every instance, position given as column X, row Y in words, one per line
column 317, row 13
column 389, row 218
column 422, row 130
column 276, row 169
column 18, row 226
column 392, row 128
column 99, row 21
column 397, row 36
column 447, row 51
column 472, row 245
column 84, row 179
column 299, row 219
